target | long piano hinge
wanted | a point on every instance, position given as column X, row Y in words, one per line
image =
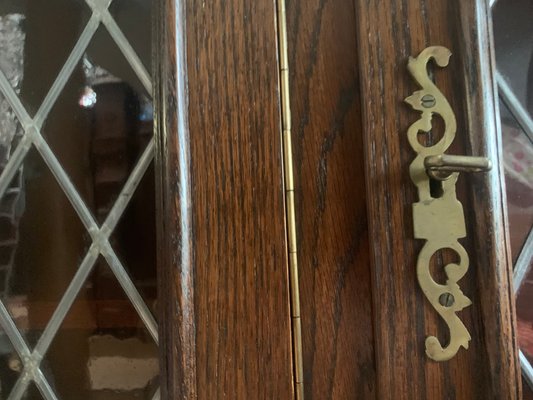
column 289, row 197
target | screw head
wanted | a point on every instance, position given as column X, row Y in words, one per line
column 446, row 299
column 428, row 101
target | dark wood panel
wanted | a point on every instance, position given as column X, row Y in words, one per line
column 334, row 265
column 388, row 32
column 224, row 245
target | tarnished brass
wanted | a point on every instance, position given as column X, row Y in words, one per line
column 442, row 166
column 438, row 216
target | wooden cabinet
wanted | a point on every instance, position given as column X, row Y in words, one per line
column 287, row 261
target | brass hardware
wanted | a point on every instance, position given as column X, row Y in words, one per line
column 289, row 201
column 442, row 166
column 438, row 216
column 446, row 299
column 428, row 101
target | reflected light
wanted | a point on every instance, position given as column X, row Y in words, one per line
column 88, row 98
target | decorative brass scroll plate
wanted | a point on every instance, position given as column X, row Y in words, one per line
column 438, row 216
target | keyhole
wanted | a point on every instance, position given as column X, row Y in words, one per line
column 435, row 188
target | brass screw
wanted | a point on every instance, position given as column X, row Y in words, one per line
column 446, row 299
column 428, row 101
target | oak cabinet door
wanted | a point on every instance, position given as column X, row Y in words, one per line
column 327, row 191
column 403, row 317
column 287, row 250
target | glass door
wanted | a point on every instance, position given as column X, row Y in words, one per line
column 77, row 211
column 513, row 34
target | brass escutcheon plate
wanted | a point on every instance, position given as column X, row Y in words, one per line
column 438, row 218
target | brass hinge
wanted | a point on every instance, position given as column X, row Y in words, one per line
column 289, row 201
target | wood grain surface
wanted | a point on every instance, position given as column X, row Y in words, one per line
column 389, row 32
column 333, row 254
column 225, row 318
column 224, row 240
column 175, row 263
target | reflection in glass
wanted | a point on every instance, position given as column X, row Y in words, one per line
column 513, row 33
column 114, row 353
column 48, row 240
column 513, row 37
column 97, row 128
column 133, row 17
column 33, row 393
column 518, row 168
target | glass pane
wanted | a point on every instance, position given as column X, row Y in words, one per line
column 12, row 38
column 42, row 242
column 49, row 29
column 134, row 239
column 518, row 167
column 528, row 392
column 513, row 36
column 524, row 310
column 10, row 366
column 96, row 129
column 33, row 393
column 111, row 64
column 108, row 350
column 134, row 19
